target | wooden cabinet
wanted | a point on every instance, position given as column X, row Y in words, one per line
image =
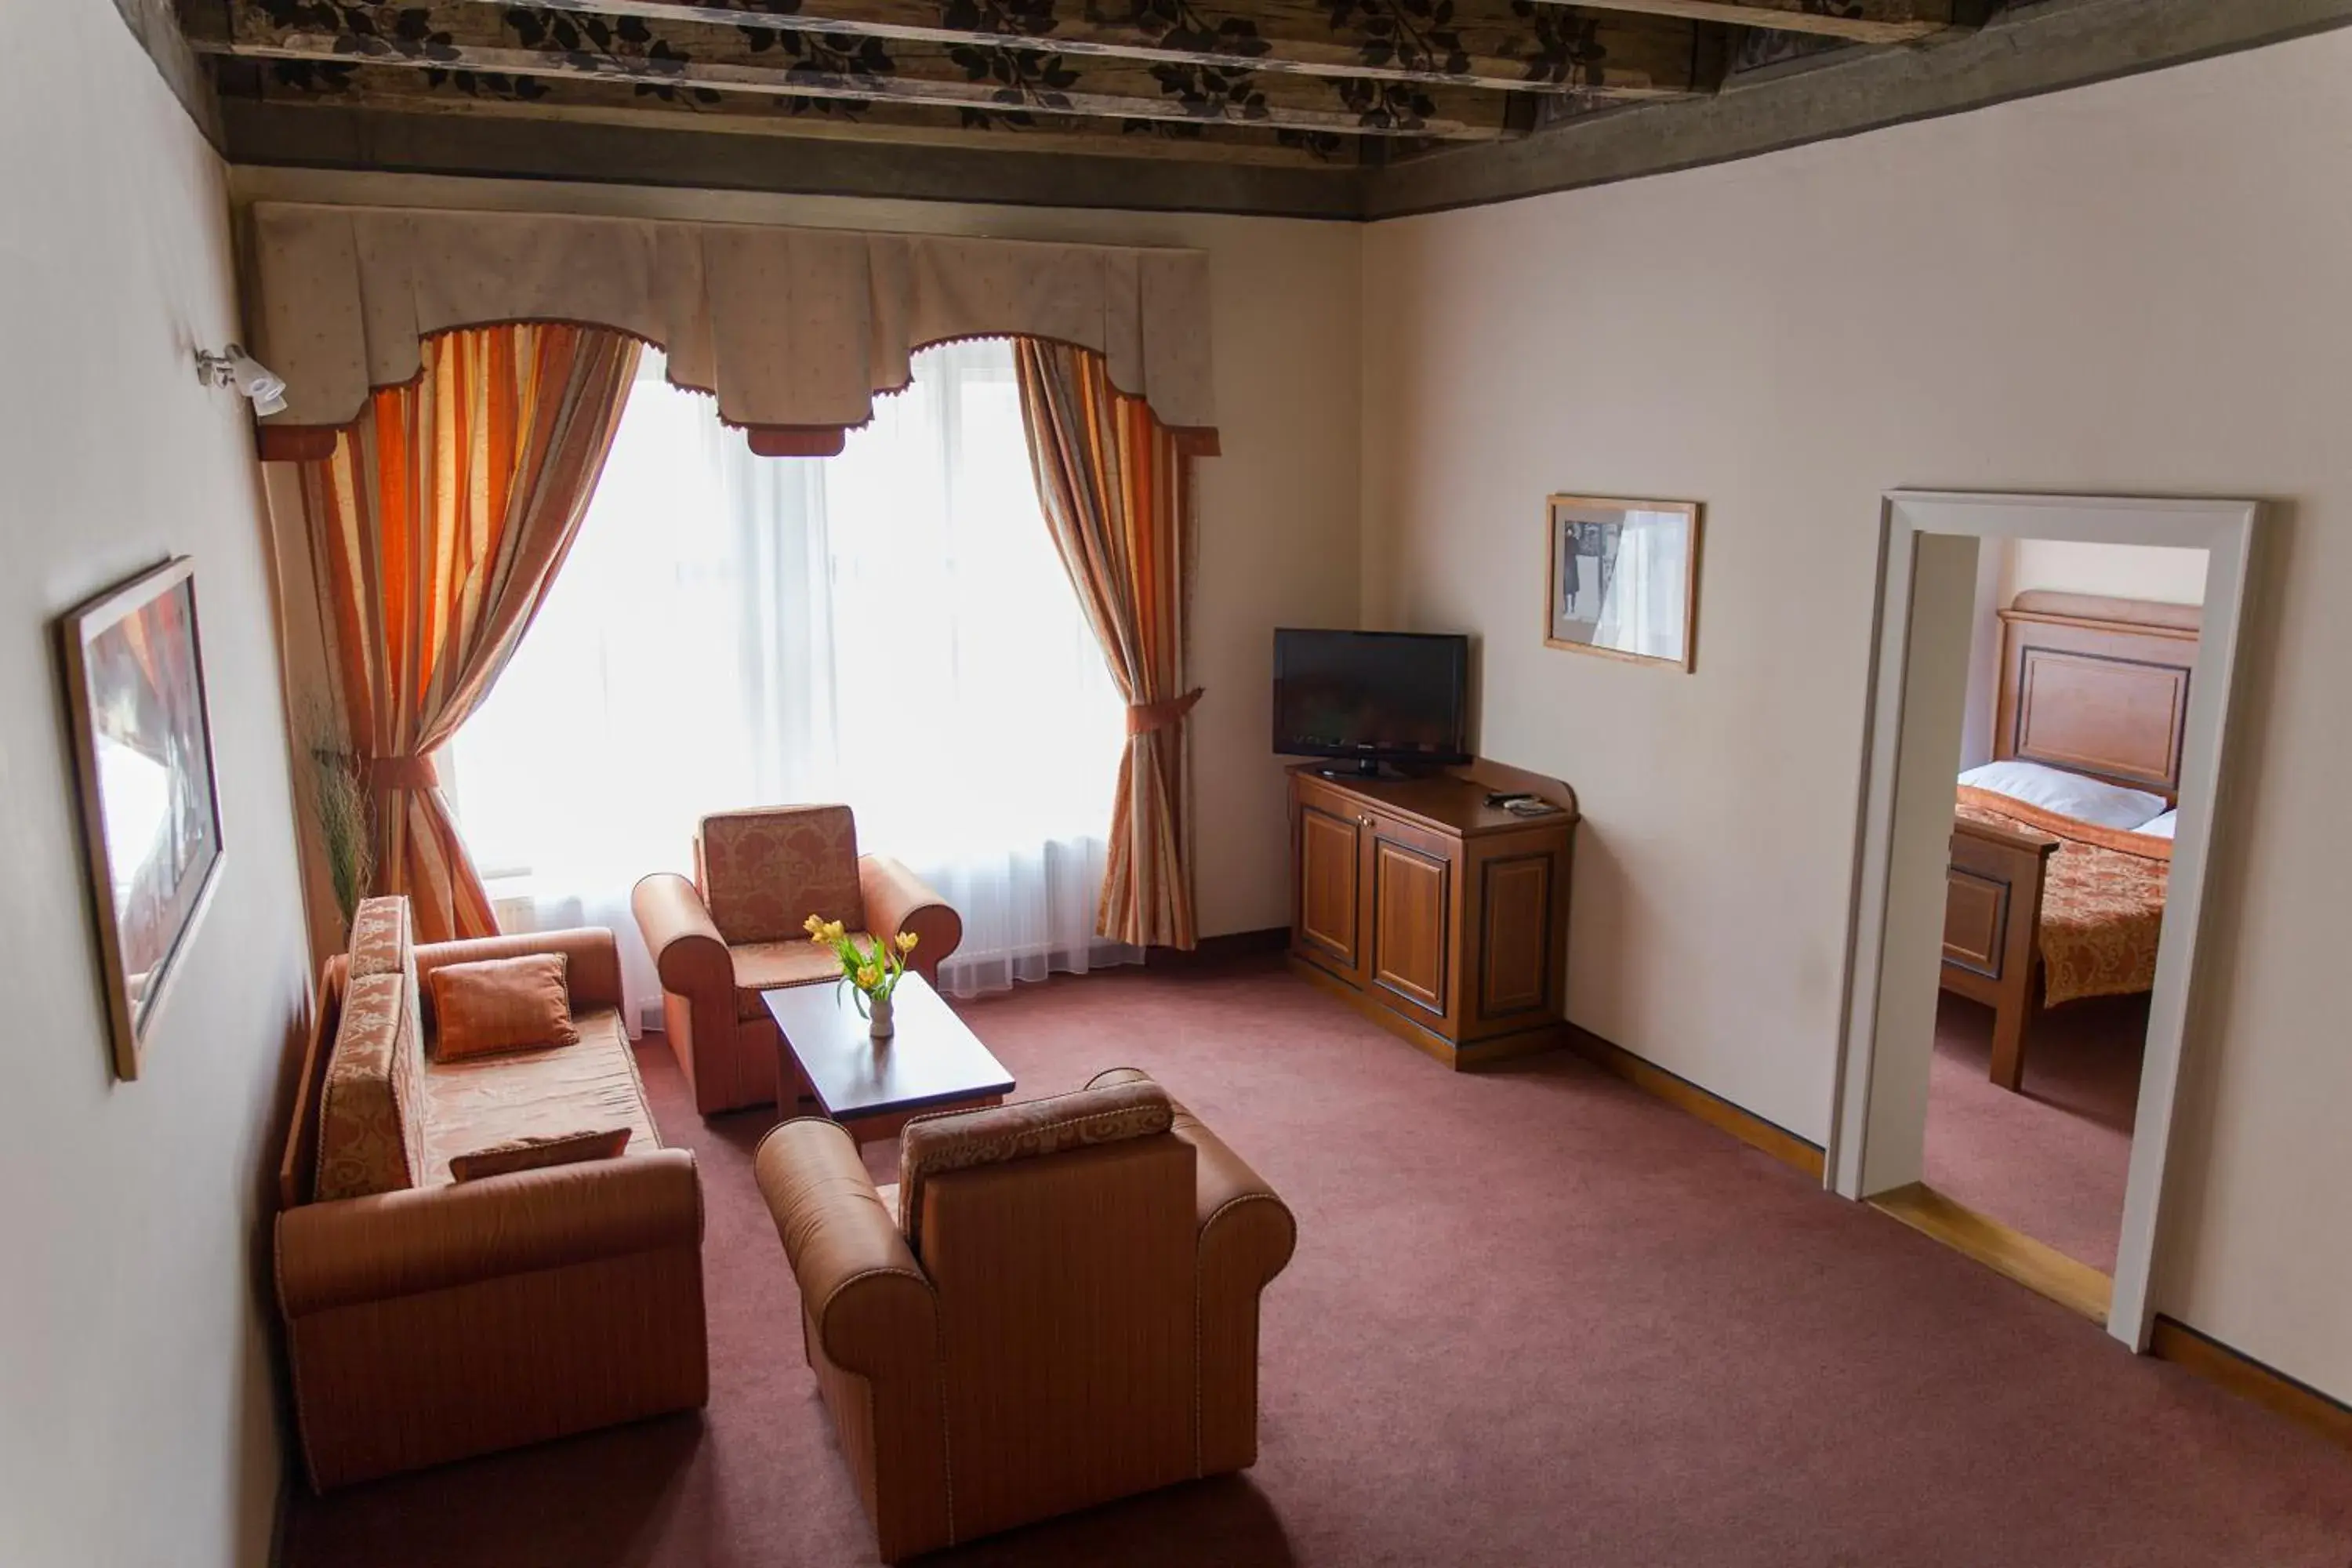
column 1330, row 854
column 1443, row 918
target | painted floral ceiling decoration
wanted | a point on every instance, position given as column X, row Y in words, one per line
column 1309, row 82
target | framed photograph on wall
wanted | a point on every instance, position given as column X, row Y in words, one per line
column 1623, row 578
column 143, row 764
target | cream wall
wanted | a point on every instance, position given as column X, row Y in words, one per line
column 137, row 1416
column 2134, row 287
column 1278, row 512
column 2117, row 571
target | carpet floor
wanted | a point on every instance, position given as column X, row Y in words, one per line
column 2051, row 1160
column 1535, row 1317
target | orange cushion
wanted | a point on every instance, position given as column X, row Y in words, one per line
column 764, row 966
column 497, row 1099
column 537, row 1153
column 501, row 1004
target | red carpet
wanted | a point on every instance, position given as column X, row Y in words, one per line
column 2050, row 1161
column 1534, row 1317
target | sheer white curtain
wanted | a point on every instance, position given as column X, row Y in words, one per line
column 889, row 627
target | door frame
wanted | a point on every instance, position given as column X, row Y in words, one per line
column 1886, row 884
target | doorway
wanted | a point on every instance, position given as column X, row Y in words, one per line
column 1952, row 972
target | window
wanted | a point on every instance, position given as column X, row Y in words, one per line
column 890, row 627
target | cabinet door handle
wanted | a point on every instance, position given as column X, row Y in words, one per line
column 1363, row 822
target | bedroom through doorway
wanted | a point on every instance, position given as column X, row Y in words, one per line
column 2048, row 718
column 2080, row 661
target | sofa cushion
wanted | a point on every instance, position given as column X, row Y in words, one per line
column 763, row 873
column 370, row 1101
column 594, row 1086
column 500, row 1004
column 380, row 940
column 957, row 1141
column 538, row 1153
column 767, row 965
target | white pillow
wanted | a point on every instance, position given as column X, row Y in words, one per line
column 2068, row 794
column 2161, row 827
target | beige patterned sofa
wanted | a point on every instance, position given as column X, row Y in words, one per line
column 427, row 1318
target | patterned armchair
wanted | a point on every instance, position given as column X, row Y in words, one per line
column 1057, row 1305
column 736, row 931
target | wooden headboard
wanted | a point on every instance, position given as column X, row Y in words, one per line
column 2098, row 686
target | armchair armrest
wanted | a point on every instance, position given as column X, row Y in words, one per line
column 872, row 1326
column 592, row 970
column 869, row 1303
column 433, row 1238
column 688, row 953
column 897, row 899
column 1225, row 1187
column 1246, row 1230
column 1246, row 1236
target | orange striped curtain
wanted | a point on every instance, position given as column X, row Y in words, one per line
column 435, row 528
column 1115, row 491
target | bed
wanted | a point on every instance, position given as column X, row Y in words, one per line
column 2044, row 906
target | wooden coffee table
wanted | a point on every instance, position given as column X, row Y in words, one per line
column 871, row 1087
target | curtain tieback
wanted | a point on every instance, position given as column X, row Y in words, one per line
column 410, row 773
column 1143, row 718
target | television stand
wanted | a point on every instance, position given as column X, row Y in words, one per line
column 1361, row 768
column 1438, row 916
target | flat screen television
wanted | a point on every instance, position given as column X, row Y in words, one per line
column 1371, row 697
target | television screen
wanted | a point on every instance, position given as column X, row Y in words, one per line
column 1377, row 696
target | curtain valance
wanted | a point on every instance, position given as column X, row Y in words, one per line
column 793, row 329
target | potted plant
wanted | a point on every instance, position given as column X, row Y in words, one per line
column 871, row 972
column 339, row 793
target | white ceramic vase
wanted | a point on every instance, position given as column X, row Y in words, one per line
column 879, row 1012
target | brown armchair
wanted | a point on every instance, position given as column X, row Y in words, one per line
column 1066, row 1290
column 736, row 931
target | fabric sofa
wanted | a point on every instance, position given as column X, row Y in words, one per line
column 736, row 931
column 428, row 1319
column 1058, row 1305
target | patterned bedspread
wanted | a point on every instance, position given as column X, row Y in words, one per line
column 2102, row 902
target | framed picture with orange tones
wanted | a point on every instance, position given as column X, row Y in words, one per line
column 143, row 762
column 1623, row 578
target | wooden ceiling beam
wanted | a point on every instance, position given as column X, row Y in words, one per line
column 987, row 88
column 1861, row 21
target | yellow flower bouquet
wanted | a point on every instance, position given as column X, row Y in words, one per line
column 871, row 968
